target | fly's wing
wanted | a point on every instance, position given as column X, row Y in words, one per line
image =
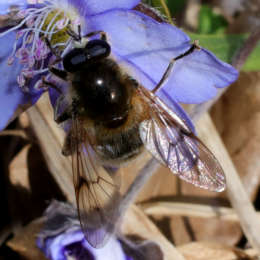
column 96, row 191
column 170, row 140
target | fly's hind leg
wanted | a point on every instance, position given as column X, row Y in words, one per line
column 53, row 51
column 66, row 114
column 70, row 142
column 62, row 74
column 170, row 66
column 77, row 36
column 51, row 85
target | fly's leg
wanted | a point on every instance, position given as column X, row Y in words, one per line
column 53, row 51
column 66, row 114
column 51, row 85
column 170, row 66
column 76, row 36
column 103, row 35
column 70, row 142
column 57, row 72
column 62, row 74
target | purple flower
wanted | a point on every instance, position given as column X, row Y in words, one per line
column 141, row 45
column 62, row 238
column 72, row 243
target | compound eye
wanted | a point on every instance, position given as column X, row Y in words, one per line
column 74, row 60
column 98, row 49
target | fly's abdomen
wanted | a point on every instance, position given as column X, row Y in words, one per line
column 121, row 147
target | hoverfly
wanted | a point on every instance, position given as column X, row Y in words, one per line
column 113, row 118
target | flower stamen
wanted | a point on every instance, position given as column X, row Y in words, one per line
column 50, row 21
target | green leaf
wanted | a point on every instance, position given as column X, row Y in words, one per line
column 157, row 4
column 225, row 46
column 209, row 22
column 176, row 6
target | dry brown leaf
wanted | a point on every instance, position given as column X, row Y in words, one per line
column 50, row 138
column 24, row 242
column 137, row 223
column 16, row 133
column 18, row 169
column 237, row 116
column 212, row 251
column 24, row 120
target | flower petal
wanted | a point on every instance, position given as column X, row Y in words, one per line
column 56, row 247
column 148, row 46
column 112, row 250
column 11, row 95
column 168, row 100
column 196, row 77
column 92, row 7
column 140, row 40
column 5, row 5
column 62, row 235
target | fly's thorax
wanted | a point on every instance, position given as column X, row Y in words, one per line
column 119, row 145
column 110, row 110
column 103, row 92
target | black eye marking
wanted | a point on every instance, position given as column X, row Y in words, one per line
column 78, row 58
column 98, row 49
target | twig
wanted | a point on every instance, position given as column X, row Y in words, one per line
column 168, row 209
column 144, row 175
column 238, row 62
column 167, row 11
column 248, row 47
column 138, row 221
column 17, row 133
column 237, row 195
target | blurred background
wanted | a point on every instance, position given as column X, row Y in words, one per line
column 195, row 221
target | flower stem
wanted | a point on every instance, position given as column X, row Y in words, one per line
column 167, row 11
column 248, row 47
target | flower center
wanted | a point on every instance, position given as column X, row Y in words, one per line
column 51, row 21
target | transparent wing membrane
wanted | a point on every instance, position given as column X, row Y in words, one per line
column 97, row 193
column 171, row 141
